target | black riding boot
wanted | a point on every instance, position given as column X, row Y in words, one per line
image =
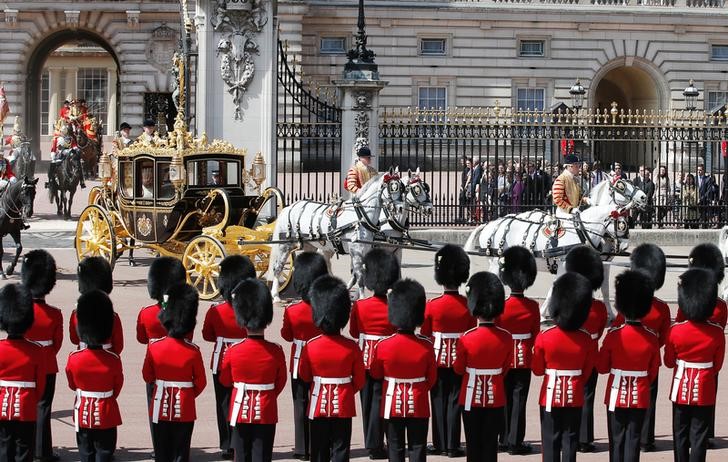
column 80, row 169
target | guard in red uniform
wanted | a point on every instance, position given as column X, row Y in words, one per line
column 164, row 272
column 695, row 349
column 369, row 324
column 38, row 274
column 565, row 354
column 407, row 365
column 298, row 328
column 446, row 319
column 256, row 369
column 22, row 375
column 333, row 365
column 173, row 364
column 95, row 374
column 630, row 355
column 221, row 328
column 522, row 319
column 484, row 356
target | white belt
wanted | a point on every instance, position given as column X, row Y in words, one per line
column 439, row 337
column 44, row 343
column 87, row 394
column 617, row 375
column 218, row 350
column 161, row 385
column 681, row 366
column 16, row 384
column 392, row 383
column 594, row 336
column 317, row 382
column 240, row 391
column 363, row 338
column 472, row 375
column 298, row 348
column 521, row 336
column 552, row 374
column 83, row 345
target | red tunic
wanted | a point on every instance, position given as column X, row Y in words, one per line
column 115, row 343
column 47, row 330
column 21, row 361
column 149, row 327
column 695, row 350
column 719, row 316
column 567, row 358
column 484, row 356
column 446, row 319
column 657, row 320
column 256, row 368
column 298, row 328
column 179, row 363
column 596, row 322
column 369, row 323
column 96, row 377
column 334, row 366
column 521, row 317
column 222, row 328
column 407, row 365
column 631, row 354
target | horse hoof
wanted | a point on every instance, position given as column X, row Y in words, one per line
column 132, row 263
column 9, row 270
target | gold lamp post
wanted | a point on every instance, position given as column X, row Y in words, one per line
column 105, row 168
column 257, row 170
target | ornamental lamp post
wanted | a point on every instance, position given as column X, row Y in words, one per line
column 577, row 93
column 691, row 96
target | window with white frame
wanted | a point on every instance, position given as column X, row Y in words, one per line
column 716, row 99
column 93, row 86
column 433, row 46
column 531, row 99
column 532, row 48
column 332, row 45
column 719, row 52
column 432, row 98
column 45, row 97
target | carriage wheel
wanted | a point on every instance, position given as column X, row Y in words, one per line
column 261, row 260
column 201, row 260
column 95, row 235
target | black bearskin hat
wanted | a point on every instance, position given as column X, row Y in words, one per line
column 95, row 316
column 233, row 269
column 330, row 303
column 38, row 273
column 307, row 267
column 486, row 295
column 571, row 298
column 695, row 298
column 16, row 309
column 180, row 315
column 587, row 262
column 633, row 294
column 710, row 257
column 406, row 303
column 253, row 304
column 519, row 268
column 164, row 273
column 381, row 271
column 452, row 266
column 95, row 273
column 650, row 259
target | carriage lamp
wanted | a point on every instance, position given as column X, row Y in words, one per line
column 577, row 92
column 177, row 172
column 691, row 96
column 105, row 167
column 257, row 170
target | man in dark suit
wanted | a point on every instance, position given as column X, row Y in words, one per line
column 537, row 186
column 706, row 193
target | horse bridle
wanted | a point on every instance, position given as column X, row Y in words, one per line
column 14, row 205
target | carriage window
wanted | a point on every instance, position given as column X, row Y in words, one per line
column 165, row 188
column 126, row 178
column 213, row 173
column 145, row 179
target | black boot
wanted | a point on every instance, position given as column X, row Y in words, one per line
column 51, row 174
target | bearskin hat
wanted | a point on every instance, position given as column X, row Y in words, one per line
column 164, row 273
column 571, row 298
column 486, row 295
column 308, row 266
column 330, row 303
column 16, row 309
column 381, row 271
column 95, row 273
column 710, row 257
column 253, row 304
column 633, row 292
column 650, row 259
column 180, row 315
column 587, row 262
column 519, row 268
column 38, row 272
column 695, row 298
column 95, row 316
column 406, row 302
column 452, row 266
column 233, row 269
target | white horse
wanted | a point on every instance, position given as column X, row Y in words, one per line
column 603, row 226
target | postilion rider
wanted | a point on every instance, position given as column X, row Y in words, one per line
column 63, row 145
column 566, row 192
column 361, row 171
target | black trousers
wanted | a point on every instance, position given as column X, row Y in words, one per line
column 415, row 441
column 586, row 429
column 330, row 439
column 16, row 441
column 222, row 408
column 253, row 442
column 150, row 398
column 624, row 426
column 648, row 427
column 96, row 445
column 560, row 433
column 299, row 390
column 517, row 383
column 172, row 441
column 690, row 432
column 481, row 433
column 711, row 428
column 371, row 398
column 43, row 435
column 446, row 409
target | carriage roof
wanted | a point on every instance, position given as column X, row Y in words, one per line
column 195, row 148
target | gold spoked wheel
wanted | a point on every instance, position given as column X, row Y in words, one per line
column 261, row 260
column 201, row 260
column 95, row 235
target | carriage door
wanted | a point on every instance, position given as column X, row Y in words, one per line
column 144, row 228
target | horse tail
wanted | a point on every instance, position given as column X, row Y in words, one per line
column 52, row 189
column 473, row 238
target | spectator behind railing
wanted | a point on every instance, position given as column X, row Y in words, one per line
column 664, row 194
column 690, row 202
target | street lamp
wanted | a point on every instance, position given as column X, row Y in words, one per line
column 577, row 93
column 691, row 96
